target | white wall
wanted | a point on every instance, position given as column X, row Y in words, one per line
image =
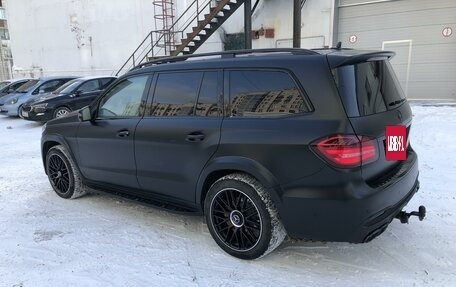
column 78, row 37
column 316, row 24
column 87, row 37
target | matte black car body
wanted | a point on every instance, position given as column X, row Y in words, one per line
column 70, row 97
column 315, row 200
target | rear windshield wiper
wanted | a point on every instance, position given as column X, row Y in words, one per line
column 396, row 102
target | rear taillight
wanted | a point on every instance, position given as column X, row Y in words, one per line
column 347, row 151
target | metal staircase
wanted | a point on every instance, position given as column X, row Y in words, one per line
column 198, row 22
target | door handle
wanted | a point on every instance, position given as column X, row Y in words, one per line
column 123, row 133
column 195, row 137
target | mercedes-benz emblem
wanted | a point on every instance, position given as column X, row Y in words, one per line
column 399, row 115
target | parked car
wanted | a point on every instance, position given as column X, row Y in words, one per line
column 11, row 104
column 72, row 96
column 282, row 141
column 10, row 86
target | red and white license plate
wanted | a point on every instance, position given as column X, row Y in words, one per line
column 396, row 143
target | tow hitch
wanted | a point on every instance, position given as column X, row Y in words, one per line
column 404, row 216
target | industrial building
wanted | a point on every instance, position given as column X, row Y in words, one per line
column 94, row 37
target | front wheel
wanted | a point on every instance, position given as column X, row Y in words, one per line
column 61, row 112
column 63, row 174
column 19, row 112
column 242, row 218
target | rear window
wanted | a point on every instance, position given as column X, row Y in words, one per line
column 374, row 84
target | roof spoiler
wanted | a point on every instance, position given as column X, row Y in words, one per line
column 337, row 60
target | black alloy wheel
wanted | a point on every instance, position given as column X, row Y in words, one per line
column 58, row 174
column 63, row 173
column 242, row 218
column 236, row 219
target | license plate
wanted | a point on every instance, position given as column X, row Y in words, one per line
column 25, row 114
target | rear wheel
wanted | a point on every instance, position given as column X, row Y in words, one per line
column 242, row 218
column 63, row 175
column 61, row 112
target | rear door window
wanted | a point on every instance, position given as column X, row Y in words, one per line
column 264, row 94
column 368, row 88
column 105, row 82
column 207, row 104
column 89, row 86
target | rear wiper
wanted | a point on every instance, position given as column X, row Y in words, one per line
column 396, row 102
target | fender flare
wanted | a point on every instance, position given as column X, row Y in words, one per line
column 61, row 141
column 237, row 164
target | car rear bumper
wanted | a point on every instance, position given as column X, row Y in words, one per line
column 355, row 212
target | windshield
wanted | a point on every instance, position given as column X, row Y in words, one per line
column 67, row 87
column 4, row 84
column 26, row 87
column 375, row 85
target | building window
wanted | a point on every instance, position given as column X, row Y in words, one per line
column 4, row 34
column 2, row 13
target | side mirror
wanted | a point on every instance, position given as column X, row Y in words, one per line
column 76, row 94
column 85, row 114
column 42, row 92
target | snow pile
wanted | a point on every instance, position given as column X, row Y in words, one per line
column 101, row 241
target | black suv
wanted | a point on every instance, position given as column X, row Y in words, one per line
column 263, row 142
column 72, row 96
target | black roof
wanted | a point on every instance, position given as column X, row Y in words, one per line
column 336, row 57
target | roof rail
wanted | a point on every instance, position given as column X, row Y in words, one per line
column 225, row 54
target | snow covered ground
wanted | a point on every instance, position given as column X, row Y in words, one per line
column 101, row 241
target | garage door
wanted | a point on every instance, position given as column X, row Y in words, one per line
column 421, row 32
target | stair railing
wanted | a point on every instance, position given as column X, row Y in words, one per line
column 154, row 44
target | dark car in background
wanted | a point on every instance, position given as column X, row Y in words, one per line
column 72, row 96
column 10, row 86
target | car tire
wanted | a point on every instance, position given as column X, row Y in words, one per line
column 61, row 112
column 19, row 112
column 242, row 217
column 63, row 174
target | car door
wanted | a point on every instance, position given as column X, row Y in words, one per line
column 85, row 94
column 106, row 144
column 179, row 132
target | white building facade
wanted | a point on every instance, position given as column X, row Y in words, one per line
column 95, row 37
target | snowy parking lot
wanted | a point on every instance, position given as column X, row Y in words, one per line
column 98, row 240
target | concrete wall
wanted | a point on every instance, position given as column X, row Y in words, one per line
column 317, row 17
column 87, row 37
column 316, row 23
column 78, row 37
